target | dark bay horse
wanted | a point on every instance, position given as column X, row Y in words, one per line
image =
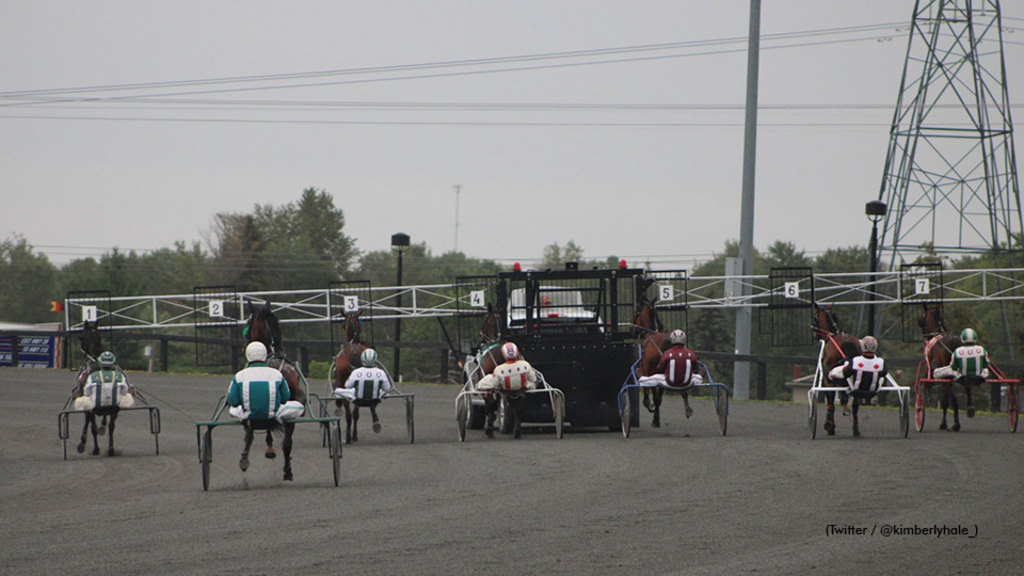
column 92, row 347
column 938, row 352
column 652, row 341
column 347, row 360
column 839, row 347
column 487, row 359
column 264, row 326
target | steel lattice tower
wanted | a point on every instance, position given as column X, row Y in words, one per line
column 950, row 179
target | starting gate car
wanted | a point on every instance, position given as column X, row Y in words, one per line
column 330, row 424
column 543, row 395
column 627, row 397
column 819, row 389
column 921, row 386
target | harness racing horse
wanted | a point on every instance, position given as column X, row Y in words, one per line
column 263, row 326
column 487, row 359
column 345, row 362
column 651, row 343
column 839, row 347
column 938, row 352
column 92, row 347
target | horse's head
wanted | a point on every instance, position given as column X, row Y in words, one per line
column 932, row 323
column 489, row 330
column 825, row 321
column 646, row 318
column 263, row 326
column 353, row 326
column 92, row 344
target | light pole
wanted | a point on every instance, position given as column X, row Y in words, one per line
column 399, row 243
column 875, row 211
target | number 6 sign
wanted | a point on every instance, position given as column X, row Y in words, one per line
column 792, row 289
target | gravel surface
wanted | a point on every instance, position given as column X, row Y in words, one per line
column 681, row 499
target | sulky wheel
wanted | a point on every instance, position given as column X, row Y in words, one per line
column 919, row 405
column 409, row 420
column 812, row 415
column 206, row 457
column 335, row 448
column 462, row 416
column 1012, row 406
column 625, row 415
column 722, row 404
column 904, row 413
column 559, row 409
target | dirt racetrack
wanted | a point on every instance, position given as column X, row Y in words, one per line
column 681, row 499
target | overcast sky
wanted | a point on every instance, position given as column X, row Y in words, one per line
column 626, row 147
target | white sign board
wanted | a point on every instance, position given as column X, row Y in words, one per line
column 216, row 309
column 89, row 313
column 792, row 289
column 666, row 292
column 351, row 304
column 922, row 286
column 476, row 298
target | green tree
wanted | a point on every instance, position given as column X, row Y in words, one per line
column 28, row 283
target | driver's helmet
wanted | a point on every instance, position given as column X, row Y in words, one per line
column 107, row 359
column 510, row 351
column 677, row 337
column 256, row 352
column 368, row 357
column 969, row 336
column 869, row 344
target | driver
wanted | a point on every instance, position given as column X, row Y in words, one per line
column 512, row 379
column 863, row 374
column 368, row 384
column 678, row 367
column 969, row 363
column 107, row 386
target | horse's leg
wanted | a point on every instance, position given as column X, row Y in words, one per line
column 830, row 415
column 647, row 401
column 489, row 409
column 85, row 431
column 844, row 399
column 376, row 420
column 355, row 422
column 513, row 412
column 956, row 410
column 103, row 426
column 287, row 445
column 95, row 441
column 270, row 453
column 337, row 407
column 348, row 422
column 657, row 393
column 856, row 421
column 686, row 403
column 970, row 401
column 944, row 404
column 110, row 438
column 244, row 462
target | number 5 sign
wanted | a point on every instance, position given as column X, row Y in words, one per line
column 665, row 292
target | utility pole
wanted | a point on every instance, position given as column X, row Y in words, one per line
column 741, row 370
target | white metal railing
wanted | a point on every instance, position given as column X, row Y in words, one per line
column 440, row 300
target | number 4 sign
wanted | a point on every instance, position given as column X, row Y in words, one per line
column 476, row 298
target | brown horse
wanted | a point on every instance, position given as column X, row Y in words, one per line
column 263, row 326
column 652, row 341
column 92, row 346
column 487, row 359
column 938, row 352
column 345, row 362
column 839, row 347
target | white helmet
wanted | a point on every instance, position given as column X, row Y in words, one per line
column 677, row 337
column 510, row 351
column 368, row 357
column 869, row 344
column 107, row 359
column 256, row 352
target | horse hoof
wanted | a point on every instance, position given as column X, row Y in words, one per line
column 846, row 411
column 376, row 427
column 943, row 426
column 970, row 411
column 856, row 431
column 489, row 432
column 102, row 430
column 830, row 427
column 338, row 412
column 956, row 427
column 81, row 448
column 288, row 476
column 270, row 453
column 110, row 452
column 689, row 411
column 96, row 451
column 243, row 463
